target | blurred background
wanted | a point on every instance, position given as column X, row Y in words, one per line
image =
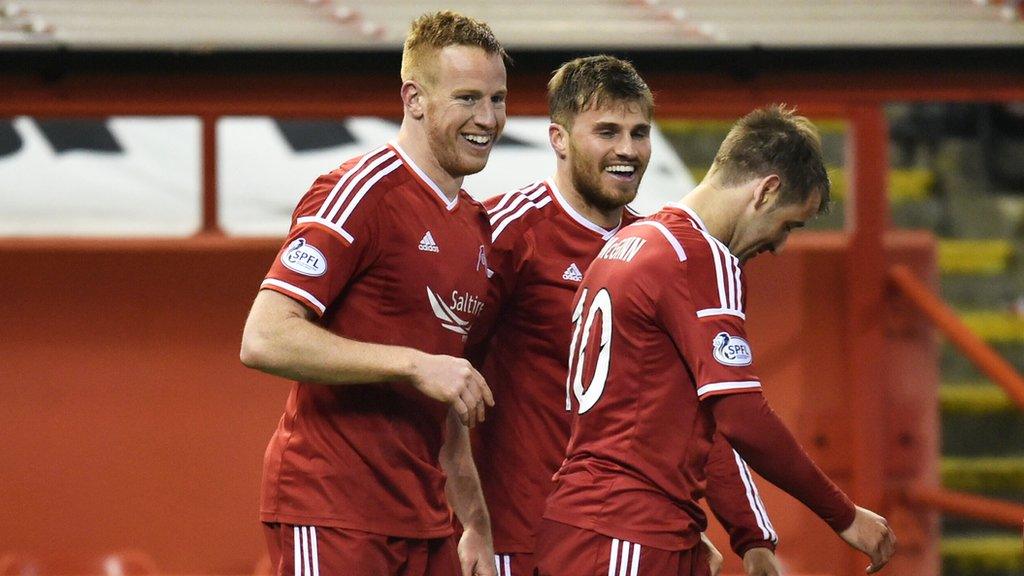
column 151, row 153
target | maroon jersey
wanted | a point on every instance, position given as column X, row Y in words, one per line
column 658, row 326
column 541, row 246
column 380, row 255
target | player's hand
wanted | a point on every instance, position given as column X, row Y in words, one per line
column 870, row 534
column 476, row 554
column 453, row 381
column 715, row 558
column 761, row 562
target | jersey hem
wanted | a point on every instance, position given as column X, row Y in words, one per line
column 517, row 547
column 666, row 543
column 383, row 530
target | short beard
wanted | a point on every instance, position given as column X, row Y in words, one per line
column 589, row 188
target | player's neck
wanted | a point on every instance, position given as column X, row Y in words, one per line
column 606, row 219
column 713, row 206
column 418, row 150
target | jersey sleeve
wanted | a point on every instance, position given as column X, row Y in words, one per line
column 702, row 310
column 733, row 498
column 323, row 252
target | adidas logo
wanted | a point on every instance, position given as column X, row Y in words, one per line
column 427, row 243
column 572, row 273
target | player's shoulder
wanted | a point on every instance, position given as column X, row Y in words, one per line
column 714, row 273
column 630, row 216
column 514, row 213
column 352, row 190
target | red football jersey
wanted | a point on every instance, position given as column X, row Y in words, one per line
column 379, row 253
column 658, row 326
column 541, row 246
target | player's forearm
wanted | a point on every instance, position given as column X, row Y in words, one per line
column 733, row 498
column 761, row 438
column 463, row 487
column 280, row 339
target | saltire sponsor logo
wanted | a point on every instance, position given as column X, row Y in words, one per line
column 732, row 350
column 447, row 313
column 304, row 258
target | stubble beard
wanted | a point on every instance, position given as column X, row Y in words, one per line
column 446, row 153
column 588, row 184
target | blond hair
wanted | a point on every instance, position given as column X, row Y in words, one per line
column 432, row 32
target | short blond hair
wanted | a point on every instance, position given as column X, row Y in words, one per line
column 432, row 32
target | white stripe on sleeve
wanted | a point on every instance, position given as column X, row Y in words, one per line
column 754, row 500
column 522, row 210
column 295, row 290
column 720, row 312
column 322, row 212
column 668, row 236
column 366, row 187
column 720, row 386
column 351, row 184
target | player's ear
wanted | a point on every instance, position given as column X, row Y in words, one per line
column 765, row 189
column 559, row 138
column 412, row 99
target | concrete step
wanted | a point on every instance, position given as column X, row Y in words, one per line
column 979, row 419
column 995, row 326
column 975, row 398
column 997, row 476
column 955, row 367
column 995, row 554
column 979, row 257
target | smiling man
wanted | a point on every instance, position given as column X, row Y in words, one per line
column 367, row 307
column 545, row 236
column 659, row 362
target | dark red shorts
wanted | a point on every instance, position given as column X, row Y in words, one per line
column 514, row 564
column 564, row 549
column 320, row 550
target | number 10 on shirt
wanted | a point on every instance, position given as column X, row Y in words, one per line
column 584, row 318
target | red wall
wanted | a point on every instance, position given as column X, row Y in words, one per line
column 128, row 422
